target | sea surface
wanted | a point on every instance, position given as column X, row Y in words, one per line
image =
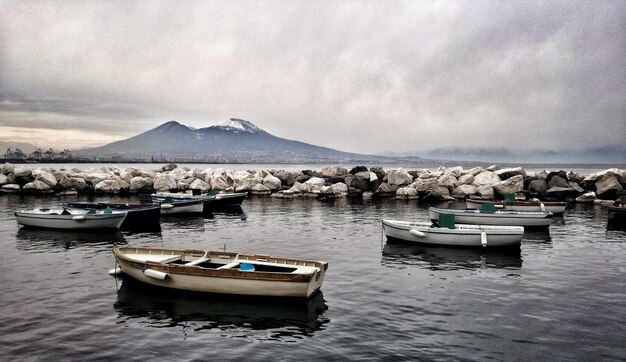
column 562, row 297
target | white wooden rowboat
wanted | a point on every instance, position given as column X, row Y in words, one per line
column 461, row 235
column 555, row 207
column 70, row 219
column 221, row 272
column 499, row 217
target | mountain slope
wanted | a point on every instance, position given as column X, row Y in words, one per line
column 233, row 140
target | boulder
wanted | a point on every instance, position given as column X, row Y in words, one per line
column 3, row 180
column 464, row 191
column 286, row 178
column 23, row 172
column 7, row 168
column 439, row 193
column 509, row 186
column 75, row 183
column 285, row 194
column 607, row 187
column 259, row 189
column 386, row 190
column 10, row 188
column 475, row 171
column 494, row 168
column 331, row 171
column 574, row 177
column 45, row 177
column 399, row 177
column 29, row 188
column 137, row 183
column 271, row 182
column 486, row 178
column 466, row 179
column 507, row 173
column 94, row 178
column 380, row 173
column 114, row 186
column 587, row 198
column 198, row 184
column 248, row 183
column 164, row 181
column 358, row 169
column 300, row 187
column 406, row 193
column 455, row 172
column 358, row 181
column 485, row 192
column 423, row 185
column 557, row 181
column 315, row 183
column 219, row 182
column 339, row 188
column 41, row 186
column 538, row 186
column 447, row 181
column 168, row 168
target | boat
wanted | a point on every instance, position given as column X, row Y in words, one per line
column 457, row 235
column 211, row 199
column 221, row 272
column 483, row 216
column 170, row 206
column 555, row 207
column 616, row 218
column 71, row 219
column 138, row 216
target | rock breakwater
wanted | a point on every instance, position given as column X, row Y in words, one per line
column 445, row 183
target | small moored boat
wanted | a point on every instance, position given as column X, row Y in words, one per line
column 616, row 218
column 138, row 216
column 211, row 200
column 483, row 216
column 555, row 207
column 221, row 272
column 407, row 232
column 170, row 206
column 71, row 219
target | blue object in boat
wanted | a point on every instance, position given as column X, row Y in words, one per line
column 246, row 267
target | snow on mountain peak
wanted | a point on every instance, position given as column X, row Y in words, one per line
column 239, row 125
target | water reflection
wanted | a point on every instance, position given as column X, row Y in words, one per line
column 234, row 212
column 31, row 239
column 445, row 258
column 537, row 236
column 162, row 308
column 183, row 222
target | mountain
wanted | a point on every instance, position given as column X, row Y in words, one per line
column 231, row 141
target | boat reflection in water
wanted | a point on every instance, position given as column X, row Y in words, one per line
column 182, row 222
column 448, row 258
column 279, row 319
column 232, row 212
column 45, row 239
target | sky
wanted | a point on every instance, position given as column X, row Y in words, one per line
column 358, row 76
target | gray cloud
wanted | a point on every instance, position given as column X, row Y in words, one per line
column 358, row 76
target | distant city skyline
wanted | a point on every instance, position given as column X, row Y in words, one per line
column 364, row 76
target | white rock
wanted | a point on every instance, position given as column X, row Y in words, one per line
column 466, row 179
column 330, row 171
column 111, row 186
column 164, row 181
column 7, row 168
column 198, row 184
column 447, row 180
column 10, row 188
column 73, row 183
column 339, row 188
column 315, row 183
column 138, row 182
column 399, row 177
column 486, row 178
column 3, row 180
column 485, row 191
column 299, row 187
column 271, row 182
column 510, row 186
column 427, row 184
column 260, row 190
column 463, row 191
column 406, row 192
column 42, row 186
column 45, row 177
column 95, row 177
column 21, row 171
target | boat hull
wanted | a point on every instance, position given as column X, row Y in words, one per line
column 210, row 203
column 616, row 218
column 503, row 218
column 182, row 208
column 223, row 280
column 138, row 217
column 70, row 222
column 548, row 206
column 461, row 235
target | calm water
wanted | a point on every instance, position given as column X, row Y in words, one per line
column 562, row 298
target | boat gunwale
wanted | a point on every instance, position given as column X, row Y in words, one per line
column 196, row 270
column 503, row 214
column 461, row 229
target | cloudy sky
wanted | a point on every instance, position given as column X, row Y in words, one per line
column 359, row 76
